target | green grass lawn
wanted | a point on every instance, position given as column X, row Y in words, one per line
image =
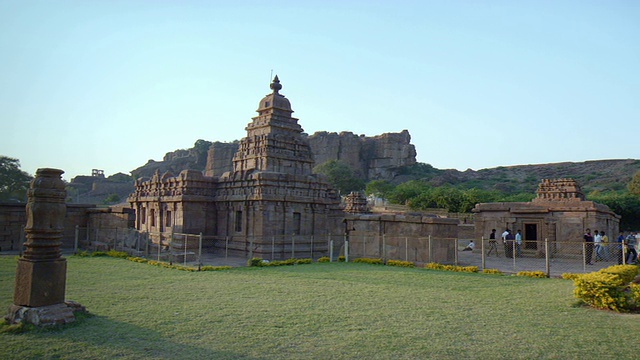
column 319, row 311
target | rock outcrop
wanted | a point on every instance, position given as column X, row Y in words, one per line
column 372, row 158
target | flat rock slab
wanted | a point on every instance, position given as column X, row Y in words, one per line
column 57, row 314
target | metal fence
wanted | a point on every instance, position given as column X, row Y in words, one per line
column 197, row 249
column 551, row 257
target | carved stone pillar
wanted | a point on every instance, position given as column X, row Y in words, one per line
column 39, row 295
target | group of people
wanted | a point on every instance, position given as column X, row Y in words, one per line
column 509, row 241
column 599, row 244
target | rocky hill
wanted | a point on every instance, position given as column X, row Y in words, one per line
column 372, row 158
column 391, row 157
column 597, row 175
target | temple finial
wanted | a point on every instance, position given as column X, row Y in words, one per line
column 275, row 85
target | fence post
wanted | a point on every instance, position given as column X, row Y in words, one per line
column 293, row 245
column 364, row 246
column 185, row 250
column 346, row 249
column 484, row 259
column 406, row 248
column 384, row 248
column 273, row 248
column 115, row 241
column 513, row 253
column 546, row 257
column 584, row 256
column 331, row 250
column 456, row 258
column 226, row 246
column 75, row 241
column 251, row 247
column 146, row 244
column 312, row 247
column 199, row 251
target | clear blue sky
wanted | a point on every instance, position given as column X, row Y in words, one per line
column 479, row 84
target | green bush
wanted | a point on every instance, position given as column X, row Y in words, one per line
column 215, row 268
column 98, row 253
column 341, row 259
column 369, row 261
column 408, row 264
column 255, row 262
column 117, row 254
column 324, row 259
column 533, row 274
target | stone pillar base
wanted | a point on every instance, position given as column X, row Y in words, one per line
column 40, row 283
column 57, row 314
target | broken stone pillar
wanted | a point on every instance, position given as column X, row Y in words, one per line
column 42, row 272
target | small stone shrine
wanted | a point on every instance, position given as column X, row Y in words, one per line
column 559, row 213
column 39, row 296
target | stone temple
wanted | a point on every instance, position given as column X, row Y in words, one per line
column 270, row 195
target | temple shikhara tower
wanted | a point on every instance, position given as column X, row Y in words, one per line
column 270, row 195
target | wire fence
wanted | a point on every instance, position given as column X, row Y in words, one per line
column 197, row 249
column 551, row 257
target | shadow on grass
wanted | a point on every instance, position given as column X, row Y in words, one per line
column 93, row 336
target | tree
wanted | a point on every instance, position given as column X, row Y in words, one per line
column 408, row 190
column 379, row 188
column 14, row 182
column 634, row 184
column 340, row 176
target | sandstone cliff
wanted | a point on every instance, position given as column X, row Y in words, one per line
column 373, row 158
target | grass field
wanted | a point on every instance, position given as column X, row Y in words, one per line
column 319, row 311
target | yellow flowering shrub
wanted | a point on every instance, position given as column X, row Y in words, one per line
column 570, row 276
column 626, row 272
column 369, row 261
column 436, row 266
column 602, row 290
column 401, row 263
column 533, row 274
column 492, row 271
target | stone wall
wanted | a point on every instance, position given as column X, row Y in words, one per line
column 416, row 238
column 13, row 218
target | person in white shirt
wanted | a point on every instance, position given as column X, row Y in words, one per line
column 470, row 247
column 597, row 241
column 519, row 243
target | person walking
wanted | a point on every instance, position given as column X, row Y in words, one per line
column 597, row 241
column 493, row 244
column 632, row 254
column 588, row 239
column 606, row 252
column 519, row 243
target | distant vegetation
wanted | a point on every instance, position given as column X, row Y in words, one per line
column 14, row 182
